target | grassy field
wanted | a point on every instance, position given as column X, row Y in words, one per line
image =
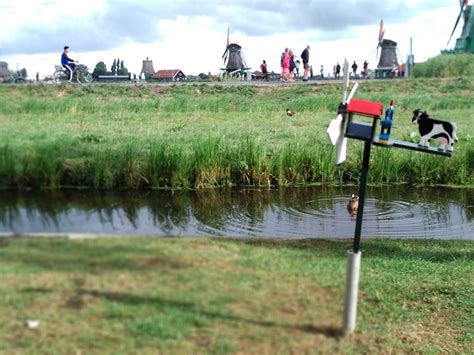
column 185, row 295
column 201, row 135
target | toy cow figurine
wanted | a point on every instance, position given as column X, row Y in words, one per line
column 444, row 132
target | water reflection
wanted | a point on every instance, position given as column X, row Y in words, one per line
column 299, row 212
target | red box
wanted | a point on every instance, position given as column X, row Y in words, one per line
column 365, row 107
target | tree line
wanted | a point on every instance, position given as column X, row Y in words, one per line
column 117, row 67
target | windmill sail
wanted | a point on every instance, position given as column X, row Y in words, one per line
column 379, row 44
column 457, row 21
column 381, row 32
column 335, row 130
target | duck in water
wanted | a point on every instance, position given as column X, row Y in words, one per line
column 353, row 204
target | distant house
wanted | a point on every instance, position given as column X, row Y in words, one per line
column 169, row 75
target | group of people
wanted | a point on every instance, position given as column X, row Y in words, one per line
column 337, row 69
column 290, row 67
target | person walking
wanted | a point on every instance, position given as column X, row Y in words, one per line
column 292, row 65
column 285, row 65
column 305, row 59
column 321, row 71
column 366, row 67
column 264, row 69
column 354, row 69
column 297, row 63
column 338, row 70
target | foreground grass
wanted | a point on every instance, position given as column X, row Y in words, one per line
column 232, row 296
column 201, row 136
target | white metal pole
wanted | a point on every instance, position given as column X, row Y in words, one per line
column 352, row 289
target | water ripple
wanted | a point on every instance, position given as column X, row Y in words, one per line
column 304, row 213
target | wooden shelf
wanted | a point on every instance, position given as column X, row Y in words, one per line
column 411, row 146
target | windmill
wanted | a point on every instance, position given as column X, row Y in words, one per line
column 234, row 61
column 388, row 59
column 147, row 68
column 465, row 43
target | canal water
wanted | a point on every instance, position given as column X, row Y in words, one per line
column 316, row 212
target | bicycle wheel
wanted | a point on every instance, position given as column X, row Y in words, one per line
column 83, row 76
column 79, row 76
column 57, row 75
column 88, row 77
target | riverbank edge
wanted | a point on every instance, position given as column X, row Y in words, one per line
column 111, row 236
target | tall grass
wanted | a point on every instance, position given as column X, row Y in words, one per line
column 446, row 65
column 213, row 162
column 204, row 136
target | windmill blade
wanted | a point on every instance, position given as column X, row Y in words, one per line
column 341, row 150
column 455, row 25
column 335, row 130
column 341, row 145
column 354, row 88
column 244, row 62
column 345, row 80
column 377, row 56
column 400, row 56
column 381, row 31
column 224, row 56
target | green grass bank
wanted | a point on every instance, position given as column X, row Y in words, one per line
column 205, row 136
column 143, row 295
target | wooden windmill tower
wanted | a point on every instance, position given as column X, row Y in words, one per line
column 234, row 61
column 147, row 68
column 388, row 59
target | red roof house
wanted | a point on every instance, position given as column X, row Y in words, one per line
column 169, row 75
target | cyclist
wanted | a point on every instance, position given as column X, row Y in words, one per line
column 68, row 63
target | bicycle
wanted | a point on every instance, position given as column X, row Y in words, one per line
column 80, row 74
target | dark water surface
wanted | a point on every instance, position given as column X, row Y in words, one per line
column 298, row 212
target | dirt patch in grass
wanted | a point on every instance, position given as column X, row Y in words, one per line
column 159, row 261
column 435, row 332
column 161, row 90
column 61, row 92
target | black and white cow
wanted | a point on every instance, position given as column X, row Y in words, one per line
column 444, row 132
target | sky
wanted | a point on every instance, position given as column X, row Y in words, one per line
column 191, row 35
